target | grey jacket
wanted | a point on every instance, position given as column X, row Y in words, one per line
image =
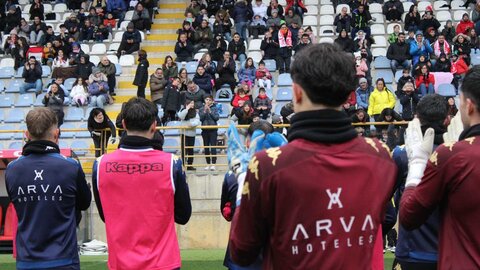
column 192, row 123
column 209, row 118
column 157, row 86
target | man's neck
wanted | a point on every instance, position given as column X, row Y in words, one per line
column 144, row 134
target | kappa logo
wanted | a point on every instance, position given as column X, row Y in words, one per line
column 132, row 168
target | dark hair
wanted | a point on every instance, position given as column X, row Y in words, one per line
column 470, row 87
column 262, row 125
column 432, row 110
column 261, row 89
column 139, row 114
column 210, row 97
column 326, row 74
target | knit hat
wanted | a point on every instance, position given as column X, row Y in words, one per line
column 419, row 33
column 12, row 7
column 95, row 70
column 362, row 80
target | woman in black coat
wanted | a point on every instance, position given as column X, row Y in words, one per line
column 141, row 75
column 171, row 101
column 98, row 121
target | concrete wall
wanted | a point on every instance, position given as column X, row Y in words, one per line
column 206, row 228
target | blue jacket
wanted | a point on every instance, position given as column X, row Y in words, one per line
column 416, row 51
column 116, row 4
column 420, row 245
column 363, row 97
column 247, row 74
column 48, row 191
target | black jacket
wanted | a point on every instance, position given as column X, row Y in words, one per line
column 31, row 75
column 345, row 44
column 141, row 75
column 172, row 99
column 270, row 48
column 237, row 47
column 204, row 81
column 227, row 71
column 409, row 103
column 217, row 51
column 398, row 51
column 442, row 66
column 84, row 70
column 184, row 51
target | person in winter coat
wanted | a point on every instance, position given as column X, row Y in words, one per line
column 406, row 77
column 12, row 19
column 297, row 6
column 269, row 47
column 203, row 80
column 207, row 63
column 285, row 52
column 183, row 49
column 98, row 89
column 449, row 31
column 84, row 68
column 464, row 24
column 54, row 100
column 380, row 99
column 217, row 48
column 363, row 93
column 222, row 25
column 32, row 73
column 247, row 72
column 237, row 48
column 412, row 19
column 226, row 72
column 442, row 64
column 393, row 10
column 419, row 47
column 361, row 17
column 461, row 47
column 209, row 117
column 242, row 14
column 292, row 18
column 203, row 37
column 189, row 118
column 409, row 100
column 108, row 68
column 257, row 26
column 360, row 65
column 262, row 104
column 79, row 92
column 343, row 21
column 171, row 101
column 240, row 97
column 141, row 75
column 169, row 67
column 131, row 40
column 344, row 41
column 244, row 115
column 263, row 76
column 141, row 18
column 425, row 81
column 37, row 10
column 195, row 94
column 459, row 69
column 399, row 53
column 97, row 122
column 157, row 85
column 441, row 46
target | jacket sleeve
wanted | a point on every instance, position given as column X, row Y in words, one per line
column 195, row 121
column 96, row 193
column 182, row 203
column 83, row 195
column 113, row 130
column 390, row 52
column 214, row 113
column 182, row 114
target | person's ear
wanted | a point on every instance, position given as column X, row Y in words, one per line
column 56, row 135
column 153, row 127
column 297, row 93
column 27, row 135
column 471, row 107
column 123, row 124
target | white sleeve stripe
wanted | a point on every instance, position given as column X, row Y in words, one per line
column 171, row 173
column 98, row 173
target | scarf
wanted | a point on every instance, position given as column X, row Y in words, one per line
column 285, row 40
column 141, row 142
column 470, row 132
column 40, row 147
column 325, row 126
column 438, row 50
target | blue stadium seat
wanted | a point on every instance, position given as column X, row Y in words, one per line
column 224, row 111
column 284, row 79
column 19, row 72
column 46, row 70
column 38, row 100
column 14, row 86
column 381, row 62
column 15, row 116
column 447, row 90
column 20, row 135
column 25, row 100
column 83, row 134
column 68, row 83
column 284, row 94
column 222, row 122
column 118, row 70
column 270, row 64
column 7, row 100
column 224, row 91
column 171, row 145
column 87, row 112
column 2, row 115
column 2, row 85
column 6, row 72
column 67, row 134
column 191, row 67
column 15, row 146
column 63, row 144
column 80, row 147
column 386, row 75
column 172, row 132
column 4, row 135
column 398, row 75
column 74, row 114
column 475, row 60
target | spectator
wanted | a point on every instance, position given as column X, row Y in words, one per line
column 406, row 77
column 421, row 61
column 217, row 48
column 183, row 75
column 449, row 31
column 242, row 14
column 203, row 36
column 73, row 26
column 257, row 26
column 183, row 49
column 141, row 74
column 108, row 68
column 303, row 43
column 195, row 94
column 297, row 6
column 360, row 116
column 399, row 53
column 263, row 76
column 117, row 8
column 441, row 46
column 274, row 6
column 32, row 73
column 222, row 25
column 428, row 21
column 461, row 47
column 193, row 8
column 37, row 30
column 393, row 37
column 247, row 72
column 361, row 41
column 360, row 65
column 380, row 99
column 237, row 48
column 442, row 64
column 59, row 209
column 79, row 92
column 84, row 68
column 343, row 21
column 285, row 52
column 130, row 40
column 54, row 100
column 61, row 66
column 23, row 29
column 292, row 18
column 240, row 97
column 226, row 72
column 93, row 17
column 157, row 86
column 98, row 89
column 269, row 47
column 464, row 25
column 431, row 35
column 189, row 118
column 287, row 112
column 98, row 122
column 209, row 117
column 262, row 104
column 474, row 40
column 141, row 19
column 419, row 47
column 393, row 10
column 37, row 10
column 209, row 66
column 412, row 19
column 87, row 31
column 213, row 6
column 459, row 69
column 409, row 100
column 425, row 81
column 188, row 30
column 363, row 93
column 49, row 36
column 203, row 80
column 274, row 21
column 476, row 17
column 361, row 17
column 171, row 101
column 12, row 19
column 169, row 67
column 243, row 115
column 452, row 108
column 17, row 47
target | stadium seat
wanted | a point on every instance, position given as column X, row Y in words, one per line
column 192, row 67
column 85, row 48
column 279, row 106
column 284, row 79
column 254, row 45
column 458, row 4
column 74, row 114
column 46, row 70
column 379, row 52
column 326, row 2
column 326, row 20
column 406, row 6
column 47, row 8
column 386, row 75
column 311, row 2
column 26, row 9
column 6, row 135
column 38, row 100
column 224, row 110
column 6, row 72
column 15, row 115
column 457, row 15
column 14, row 86
column 2, row 115
column 327, row 10
column 7, row 101
column 379, row 18
column 172, row 131
column 67, row 134
column 118, row 70
column 447, row 90
column 284, row 94
column 398, row 75
column 63, row 144
column 13, row 146
column 99, row 48
column 171, row 145
column 127, row 60
column 198, row 56
column 113, row 58
column 380, row 42
column 443, row 16
column 60, row 8
column 270, row 64
column 437, row 6
column 377, row 29
column 339, row 9
column 113, row 48
column 25, row 100
column 68, row 83
column 19, row 72
column 326, row 40
column 256, row 56
column 95, row 59
column 375, row 8
column 326, row 30
column 118, row 36
column 80, row 147
column 312, row 10
column 2, row 85
column 222, row 130
column 381, row 62
column 223, row 91
column 128, row 15
column 422, row 6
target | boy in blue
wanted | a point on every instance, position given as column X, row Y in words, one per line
column 48, row 191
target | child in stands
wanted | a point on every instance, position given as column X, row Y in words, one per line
column 262, row 104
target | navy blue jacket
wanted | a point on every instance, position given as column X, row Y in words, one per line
column 47, row 189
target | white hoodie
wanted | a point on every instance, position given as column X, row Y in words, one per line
column 78, row 91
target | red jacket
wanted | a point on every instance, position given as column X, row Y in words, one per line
column 237, row 98
column 291, row 2
column 352, row 99
column 262, row 73
column 463, row 26
column 459, row 67
column 427, row 80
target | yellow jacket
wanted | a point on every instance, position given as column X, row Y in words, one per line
column 380, row 100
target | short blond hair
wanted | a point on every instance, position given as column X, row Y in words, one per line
column 40, row 121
